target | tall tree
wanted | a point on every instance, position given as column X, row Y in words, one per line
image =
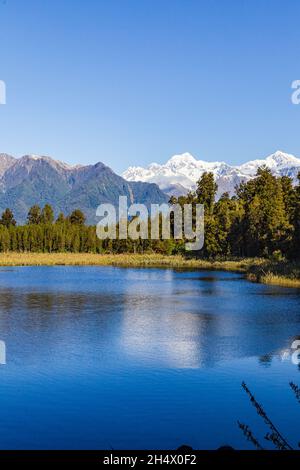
column 266, row 224
column 61, row 218
column 225, row 214
column 77, row 217
column 296, row 238
column 34, row 215
column 7, row 218
column 47, row 215
column 206, row 192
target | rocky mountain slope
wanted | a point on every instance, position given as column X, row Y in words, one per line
column 39, row 180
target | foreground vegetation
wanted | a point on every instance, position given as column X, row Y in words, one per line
column 280, row 273
column 126, row 259
column 273, row 435
column 256, row 269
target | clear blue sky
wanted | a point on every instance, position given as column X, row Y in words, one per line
column 128, row 82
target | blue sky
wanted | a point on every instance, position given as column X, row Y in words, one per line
column 129, row 82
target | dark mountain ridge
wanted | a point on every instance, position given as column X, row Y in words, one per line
column 42, row 180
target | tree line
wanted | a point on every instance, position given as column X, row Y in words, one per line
column 261, row 219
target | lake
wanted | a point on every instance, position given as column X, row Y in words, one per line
column 107, row 357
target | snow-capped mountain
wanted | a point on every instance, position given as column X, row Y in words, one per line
column 181, row 172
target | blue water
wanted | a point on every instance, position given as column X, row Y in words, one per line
column 105, row 357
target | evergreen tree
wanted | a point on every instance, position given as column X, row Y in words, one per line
column 77, row 217
column 47, row 215
column 7, row 218
column 34, row 215
column 4, row 238
column 206, row 192
column 266, row 225
column 225, row 213
column 60, row 219
column 296, row 221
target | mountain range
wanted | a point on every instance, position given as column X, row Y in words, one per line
column 34, row 179
column 181, row 172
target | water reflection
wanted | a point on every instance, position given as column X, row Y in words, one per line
column 175, row 339
column 154, row 318
column 139, row 358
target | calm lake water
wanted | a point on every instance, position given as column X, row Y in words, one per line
column 104, row 357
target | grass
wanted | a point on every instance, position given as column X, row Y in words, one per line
column 281, row 273
column 152, row 259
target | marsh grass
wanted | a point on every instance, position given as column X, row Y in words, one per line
column 281, row 273
column 151, row 259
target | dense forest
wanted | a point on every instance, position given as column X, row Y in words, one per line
column 261, row 219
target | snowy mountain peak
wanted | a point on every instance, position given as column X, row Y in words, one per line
column 281, row 158
column 181, row 172
column 184, row 158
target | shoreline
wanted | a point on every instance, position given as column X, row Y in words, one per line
column 281, row 273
